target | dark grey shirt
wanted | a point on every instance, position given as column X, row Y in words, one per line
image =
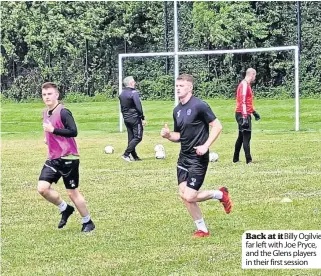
column 131, row 106
column 192, row 120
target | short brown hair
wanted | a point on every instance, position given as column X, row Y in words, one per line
column 186, row 77
column 47, row 85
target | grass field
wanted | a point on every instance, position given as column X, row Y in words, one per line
column 142, row 226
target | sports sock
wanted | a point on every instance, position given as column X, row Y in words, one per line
column 62, row 206
column 217, row 194
column 200, row 224
column 85, row 219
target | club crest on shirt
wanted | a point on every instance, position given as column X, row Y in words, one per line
column 189, row 112
column 178, row 113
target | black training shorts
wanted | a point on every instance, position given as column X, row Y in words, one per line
column 66, row 168
column 192, row 169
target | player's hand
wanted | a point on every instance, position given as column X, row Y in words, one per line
column 165, row 132
column 45, row 141
column 201, row 150
column 245, row 123
column 144, row 122
column 48, row 127
column 256, row 115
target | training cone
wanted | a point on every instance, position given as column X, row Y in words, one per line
column 286, row 200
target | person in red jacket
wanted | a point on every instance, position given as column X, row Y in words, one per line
column 244, row 109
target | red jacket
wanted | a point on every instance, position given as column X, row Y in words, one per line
column 244, row 99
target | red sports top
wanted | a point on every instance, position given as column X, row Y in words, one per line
column 244, row 99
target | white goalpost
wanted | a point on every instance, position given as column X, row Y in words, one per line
column 176, row 54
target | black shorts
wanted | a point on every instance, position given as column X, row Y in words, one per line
column 193, row 170
column 239, row 119
column 65, row 168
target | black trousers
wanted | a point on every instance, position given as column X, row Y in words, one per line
column 244, row 138
column 135, row 135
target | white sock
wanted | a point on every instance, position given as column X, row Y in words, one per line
column 200, row 224
column 217, row 194
column 62, row 206
column 85, row 219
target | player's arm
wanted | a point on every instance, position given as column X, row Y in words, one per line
column 68, row 121
column 170, row 135
column 255, row 113
column 214, row 133
column 216, row 128
column 44, row 138
column 138, row 104
column 173, row 136
column 242, row 97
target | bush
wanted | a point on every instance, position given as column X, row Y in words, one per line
column 162, row 88
column 5, row 99
column 73, row 97
column 25, row 87
column 109, row 92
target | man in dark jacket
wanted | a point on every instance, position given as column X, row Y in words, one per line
column 133, row 115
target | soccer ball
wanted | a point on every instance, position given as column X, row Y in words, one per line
column 159, row 148
column 160, row 154
column 109, row 150
column 213, row 157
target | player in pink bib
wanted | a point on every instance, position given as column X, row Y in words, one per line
column 63, row 158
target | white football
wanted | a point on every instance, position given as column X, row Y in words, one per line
column 109, row 150
column 213, row 156
column 159, row 148
column 160, row 154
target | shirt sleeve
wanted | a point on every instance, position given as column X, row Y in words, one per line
column 138, row 104
column 243, row 98
column 206, row 112
column 68, row 121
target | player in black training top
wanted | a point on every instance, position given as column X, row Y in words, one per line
column 134, row 118
column 192, row 119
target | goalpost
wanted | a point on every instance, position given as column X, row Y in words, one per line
column 214, row 52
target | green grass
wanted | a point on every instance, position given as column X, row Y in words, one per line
column 142, row 226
